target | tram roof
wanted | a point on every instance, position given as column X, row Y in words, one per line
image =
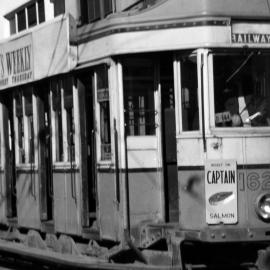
column 170, row 11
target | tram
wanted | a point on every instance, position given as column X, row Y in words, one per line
column 147, row 130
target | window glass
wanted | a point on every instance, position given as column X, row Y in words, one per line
column 59, row 7
column 20, row 127
column 93, row 10
column 21, row 20
column 28, row 108
column 32, row 15
column 57, row 108
column 41, row 11
column 138, row 77
column 104, row 110
column 68, row 105
column 242, row 89
column 107, row 7
column 84, row 11
column 189, row 95
column 12, row 25
column 0, row 148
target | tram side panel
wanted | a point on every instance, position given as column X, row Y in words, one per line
column 65, row 173
column 28, row 199
column 257, row 176
column 3, row 166
column 145, row 180
column 65, row 197
column 108, row 206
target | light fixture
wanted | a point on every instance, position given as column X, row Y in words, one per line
column 262, row 206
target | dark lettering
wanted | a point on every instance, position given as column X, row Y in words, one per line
column 253, row 182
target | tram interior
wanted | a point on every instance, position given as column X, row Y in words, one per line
column 242, row 95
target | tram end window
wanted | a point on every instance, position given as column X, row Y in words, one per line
column 139, row 103
column 189, row 94
column 28, row 109
column 103, row 100
column 68, row 105
column 20, row 126
column 242, row 89
column 56, row 86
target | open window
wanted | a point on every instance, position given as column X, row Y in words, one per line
column 139, row 86
column 189, row 93
column 242, row 89
column 28, row 15
column 19, row 128
column 57, row 115
column 93, row 10
column 63, row 120
column 103, row 110
column 69, row 110
column 24, row 126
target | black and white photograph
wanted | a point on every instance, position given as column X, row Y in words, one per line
column 135, row 134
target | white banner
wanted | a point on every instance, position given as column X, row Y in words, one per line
column 221, row 192
column 16, row 62
column 42, row 52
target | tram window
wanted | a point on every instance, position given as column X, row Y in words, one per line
column 104, row 112
column 12, row 25
column 57, row 109
column 28, row 108
column 1, row 148
column 21, row 20
column 242, row 89
column 41, row 11
column 20, row 127
column 92, row 10
column 68, row 105
column 189, row 95
column 107, row 7
column 59, row 7
column 138, row 76
column 32, row 15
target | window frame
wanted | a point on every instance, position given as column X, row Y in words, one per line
column 12, row 17
column 154, row 94
column 241, row 131
column 178, row 93
column 26, row 127
column 2, row 145
column 98, row 115
column 99, row 8
column 65, row 161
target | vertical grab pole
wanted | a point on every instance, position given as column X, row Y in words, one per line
column 72, row 173
column 32, row 162
column 116, row 163
column 202, row 102
column 127, row 180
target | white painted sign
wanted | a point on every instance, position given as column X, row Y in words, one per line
column 223, row 117
column 39, row 53
column 250, row 33
column 16, row 62
column 221, row 192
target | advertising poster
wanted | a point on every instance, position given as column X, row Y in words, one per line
column 221, row 192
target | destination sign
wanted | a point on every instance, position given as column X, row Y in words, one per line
column 221, row 192
column 16, row 62
column 251, row 38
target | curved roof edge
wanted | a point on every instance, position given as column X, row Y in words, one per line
column 170, row 11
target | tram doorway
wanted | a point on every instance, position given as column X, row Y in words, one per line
column 45, row 152
column 87, row 112
column 168, row 130
column 9, row 142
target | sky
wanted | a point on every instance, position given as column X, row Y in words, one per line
column 5, row 7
